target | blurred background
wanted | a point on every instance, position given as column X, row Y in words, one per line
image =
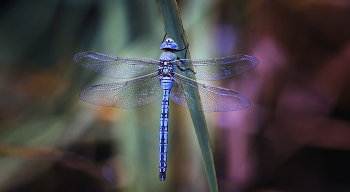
column 294, row 137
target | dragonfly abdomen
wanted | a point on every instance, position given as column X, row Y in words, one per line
column 166, row 84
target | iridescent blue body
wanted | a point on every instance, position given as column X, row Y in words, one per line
column 168, row 77
column 165, row 72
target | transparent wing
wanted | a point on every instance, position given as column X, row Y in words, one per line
column 127, row 94
column 219, row 68
column 116, row 67
column 213, row 98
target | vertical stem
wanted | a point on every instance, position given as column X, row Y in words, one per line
column 174, row 28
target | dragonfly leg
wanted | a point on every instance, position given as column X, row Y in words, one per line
column 164, row 35
column 186, row 45
column 184, row 48
column 187, row 68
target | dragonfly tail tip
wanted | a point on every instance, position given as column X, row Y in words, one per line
column 162, row 176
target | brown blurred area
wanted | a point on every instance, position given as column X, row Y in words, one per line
column 295, row 137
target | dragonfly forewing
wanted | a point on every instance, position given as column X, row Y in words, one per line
column 218, row 68
column 213, row 99
column 116, row 67
column 126, row 94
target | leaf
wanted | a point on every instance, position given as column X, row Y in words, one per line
column 174, row 28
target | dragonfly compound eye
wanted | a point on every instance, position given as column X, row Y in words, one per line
column 170, row 44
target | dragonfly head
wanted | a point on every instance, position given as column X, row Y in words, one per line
column 169, row 43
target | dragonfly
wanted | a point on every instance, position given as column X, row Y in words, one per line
column 167, row 77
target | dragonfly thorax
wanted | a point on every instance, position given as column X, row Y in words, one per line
column 166, row 69
column 166, row 64
column 167, row 56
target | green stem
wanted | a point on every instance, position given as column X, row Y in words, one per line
column 174, row 28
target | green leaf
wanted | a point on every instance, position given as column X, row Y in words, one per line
column 174, row 28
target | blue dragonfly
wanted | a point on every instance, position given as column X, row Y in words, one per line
column 167, row 76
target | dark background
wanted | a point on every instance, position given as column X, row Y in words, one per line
column 294, row 137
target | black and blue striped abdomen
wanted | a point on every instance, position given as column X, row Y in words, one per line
column 166, row 84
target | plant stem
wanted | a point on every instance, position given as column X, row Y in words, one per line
column 174, row 28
